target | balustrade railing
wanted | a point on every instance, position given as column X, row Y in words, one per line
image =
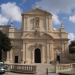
column 59, row 68
column 21, row 68
column 63, row 67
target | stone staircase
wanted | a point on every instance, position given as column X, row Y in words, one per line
column 49, row 69
column 43, row 69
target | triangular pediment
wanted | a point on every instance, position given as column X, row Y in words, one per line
column 37, row 11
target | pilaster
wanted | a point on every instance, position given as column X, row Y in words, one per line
column 25, row 23
column 48, row 54
column 11, row 56
column 33, row 56
column 24, row 53
column 45, row 53
column 8, row 57
column 42, row 54
column 52, row 52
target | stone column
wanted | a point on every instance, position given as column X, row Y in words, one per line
column 24, row 53
column 33, row 56
column 8, row 57
column 52, row 52
column 43, row 54
column 63, row 48
column 48, row 52
column 11, row 56
column 25, row 23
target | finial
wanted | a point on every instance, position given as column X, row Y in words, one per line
column 62, row 24
column 36, row 6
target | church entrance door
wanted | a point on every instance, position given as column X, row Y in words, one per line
column 16, row 59
column 37, row 55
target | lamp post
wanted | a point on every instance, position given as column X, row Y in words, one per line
column 61, row 41
column 59, row 49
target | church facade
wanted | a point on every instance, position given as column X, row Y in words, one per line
column 37, row 41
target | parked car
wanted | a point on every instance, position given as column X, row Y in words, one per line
column 2, row 68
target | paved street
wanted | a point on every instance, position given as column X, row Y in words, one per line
column 9, row 73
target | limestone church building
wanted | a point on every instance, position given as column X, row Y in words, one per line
column 36, row 41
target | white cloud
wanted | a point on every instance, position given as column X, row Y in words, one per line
column 72, row 18
column 55, row 19
column 3, row 20
column 11, row 11
column 54, row 29
column 71, row 37
column 57, row 5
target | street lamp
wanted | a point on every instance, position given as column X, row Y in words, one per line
column 61, row 41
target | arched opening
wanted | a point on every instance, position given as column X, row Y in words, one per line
column 37, row 55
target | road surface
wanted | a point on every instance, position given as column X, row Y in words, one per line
column 9, row 73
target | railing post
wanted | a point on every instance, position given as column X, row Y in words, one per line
column 47, row 71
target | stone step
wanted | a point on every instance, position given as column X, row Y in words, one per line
column 43, row 69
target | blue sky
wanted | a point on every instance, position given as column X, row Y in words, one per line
column 62, row 10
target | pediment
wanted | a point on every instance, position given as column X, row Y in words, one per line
column 45, row 36
column 38, row 11
column 28, row 35
column 37, row 36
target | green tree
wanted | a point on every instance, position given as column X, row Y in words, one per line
column 5, row 44
column 72, row 47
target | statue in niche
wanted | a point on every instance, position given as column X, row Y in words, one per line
column 32, row 21
column 37, row 22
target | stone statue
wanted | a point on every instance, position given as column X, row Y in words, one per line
column 37, row 22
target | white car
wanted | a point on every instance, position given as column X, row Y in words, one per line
column 2, row 68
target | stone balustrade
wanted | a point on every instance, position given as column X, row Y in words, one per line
column 73, row 65
column 28, row 69
column 63, row 67
column 31, row 69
